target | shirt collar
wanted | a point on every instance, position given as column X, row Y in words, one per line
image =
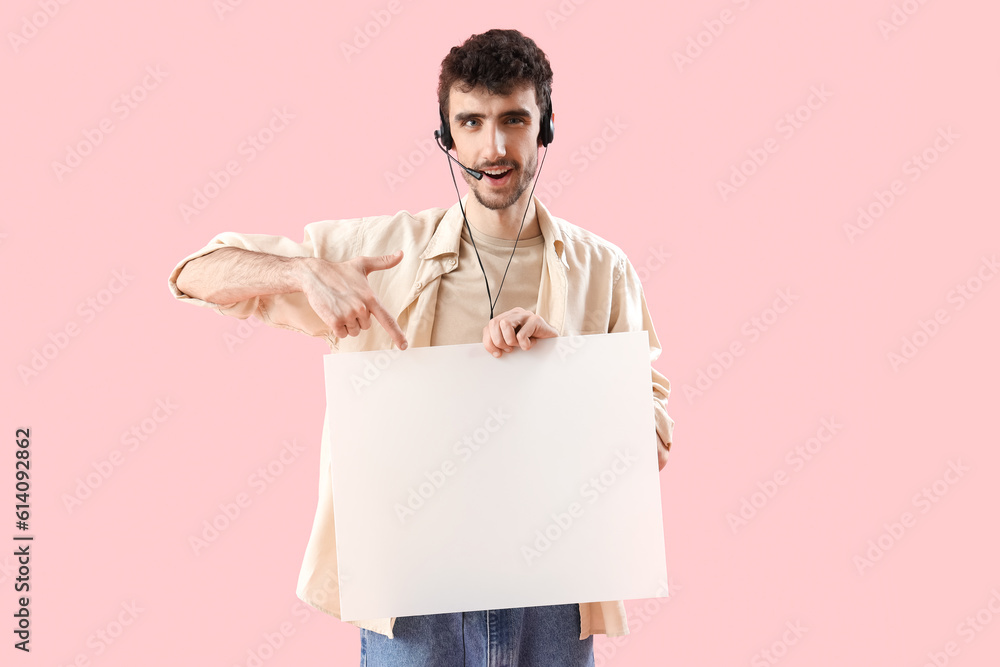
column 447, row 237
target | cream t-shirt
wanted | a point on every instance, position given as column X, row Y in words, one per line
column 463, row 308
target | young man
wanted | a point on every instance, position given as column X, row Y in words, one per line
column 495, row 268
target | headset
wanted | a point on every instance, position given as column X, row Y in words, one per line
column 545, row 133
column 446, row 142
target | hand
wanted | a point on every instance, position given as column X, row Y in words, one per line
column 340, row 294
column 515, row 328
column 661, row 451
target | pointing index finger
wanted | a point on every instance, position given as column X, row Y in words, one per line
column 389, row 323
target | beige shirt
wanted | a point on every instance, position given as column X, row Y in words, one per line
column 587, row 286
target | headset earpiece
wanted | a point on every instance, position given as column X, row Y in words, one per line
column 446, row 140
column 548, row 128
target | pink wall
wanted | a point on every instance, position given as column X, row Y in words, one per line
column 872, row 546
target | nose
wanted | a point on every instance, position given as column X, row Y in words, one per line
column 496, row 146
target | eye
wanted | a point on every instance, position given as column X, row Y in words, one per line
column 469, row 122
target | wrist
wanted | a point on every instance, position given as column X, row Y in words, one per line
column 300, row 271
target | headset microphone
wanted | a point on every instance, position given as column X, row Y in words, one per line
column 478, row 175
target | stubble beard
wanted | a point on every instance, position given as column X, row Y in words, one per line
column 499, row 201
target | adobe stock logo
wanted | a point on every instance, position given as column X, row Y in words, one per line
column 249, row 149
column 779, row 648
column 122, row 107
column 753, row 329
column 464, row 448
column 914, row 167
column 923, row 500
column 797, row 457
column 713, row 29
column 927, row 329
column 88, row 309
column 363, row 35
column 562, row 521
column 790, row 122
column 31, row 25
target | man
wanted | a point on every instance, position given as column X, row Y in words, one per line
column 495, row 268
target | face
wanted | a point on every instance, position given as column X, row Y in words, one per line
column 496, row 134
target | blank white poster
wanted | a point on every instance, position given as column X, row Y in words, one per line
column 465, row 482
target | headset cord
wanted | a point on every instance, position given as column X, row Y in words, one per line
column 489, row 296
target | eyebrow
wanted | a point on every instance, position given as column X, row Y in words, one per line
column 520, row 112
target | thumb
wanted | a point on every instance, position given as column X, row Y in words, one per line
column 380, row 263
column 539, row 328
column 545, row 330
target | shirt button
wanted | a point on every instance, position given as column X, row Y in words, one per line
column 420, row 286
column 452, row 262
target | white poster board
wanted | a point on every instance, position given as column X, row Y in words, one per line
column 464, row 482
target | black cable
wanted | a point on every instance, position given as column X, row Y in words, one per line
column 530, row 194
column 489, row 296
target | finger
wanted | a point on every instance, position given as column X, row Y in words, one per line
column 380, row 263
column 524, row 335
column 488, row 342
column 388, row 323
column 662, row 452
column 509, row 335
column 353, row 328
column 365, row 320
column 497, row 335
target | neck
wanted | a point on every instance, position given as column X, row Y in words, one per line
column 504, row 223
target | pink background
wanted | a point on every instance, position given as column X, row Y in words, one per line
column 652, row 189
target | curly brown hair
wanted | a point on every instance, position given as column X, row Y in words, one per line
column 499, row 60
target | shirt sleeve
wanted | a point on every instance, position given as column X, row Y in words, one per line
column 629, row 313
column 328, row 239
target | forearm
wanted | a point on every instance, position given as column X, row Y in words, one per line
column 230, row 275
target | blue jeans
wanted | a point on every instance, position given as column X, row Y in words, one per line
column 522, row 637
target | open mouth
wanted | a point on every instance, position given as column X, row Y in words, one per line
column 497, row 175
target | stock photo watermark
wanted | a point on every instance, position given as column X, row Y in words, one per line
column 898, row 17
column 57, row 341
column 464, row 449
column 131, row 440
column 796, row 458
column 779, row 647
column 122, row 108
column 408, row 163
column 582, row 157
column 32, row 23
column 373, row 369
column 927, row 329
column 561, row 521
column 219, row 179
column 790, row 122
column 102, row 639
column 752, row 329
column 711, row 30
column 640, row 615
column 923, row 501
column 241, row 333
column 561, row 12
column 365, row 34
column 913, row 167
column 230, row 511
column 967, row 629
